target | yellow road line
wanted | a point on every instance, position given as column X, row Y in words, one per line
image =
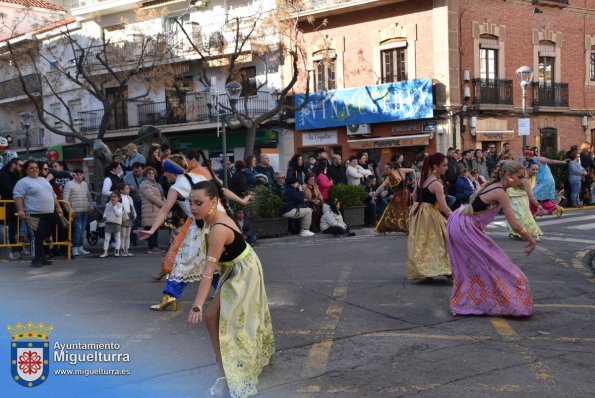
column 577, row 263
column 540, row 370
column 451, row 337
column 319, row 352
column 575, row 306
column 551, row 255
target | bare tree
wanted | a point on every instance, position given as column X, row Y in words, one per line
column 271, row 36
column 65, row 60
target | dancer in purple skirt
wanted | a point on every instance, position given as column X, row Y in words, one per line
column 485, row 280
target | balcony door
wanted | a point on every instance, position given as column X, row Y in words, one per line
column 547, row 63
column 120, row 113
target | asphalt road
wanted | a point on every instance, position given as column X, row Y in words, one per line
column 347, row 323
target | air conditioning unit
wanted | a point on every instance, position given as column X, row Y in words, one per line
column 358, row 129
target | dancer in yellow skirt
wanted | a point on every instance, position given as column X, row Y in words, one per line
column 238, row 318
column 426, row 246
column 396, row 215
column 519, row 201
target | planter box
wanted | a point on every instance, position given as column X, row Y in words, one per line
column 269, row 227
column 354, row 216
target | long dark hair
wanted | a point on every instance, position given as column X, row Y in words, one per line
column 430, row 161
column 218, row 186
column 293, row 163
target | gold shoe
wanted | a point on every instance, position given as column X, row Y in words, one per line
column 559, row 211
column 166, row 302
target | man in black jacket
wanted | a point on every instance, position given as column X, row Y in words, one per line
column 452, row 172
column 335, row 170
column 9, row 175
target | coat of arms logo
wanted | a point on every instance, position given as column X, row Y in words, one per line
column 30, row 359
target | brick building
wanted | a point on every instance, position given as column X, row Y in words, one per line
column 470, row 50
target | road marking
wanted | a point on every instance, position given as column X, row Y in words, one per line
column 540, row 370
column 577, row 263
column 319, row 352
column 577, row 306
column 452, row 337
column 582, row 226
column 563, row 220
column 552, row 238
column 551, row 255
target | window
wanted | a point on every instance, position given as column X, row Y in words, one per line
column 549, row 141
column 488, row 57
column 324, row 78
column 248, row 77
column 172, row 26
column 547, row 62
column 592, row 64
column 394, row 65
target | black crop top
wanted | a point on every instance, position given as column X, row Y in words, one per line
column 479, row 205
column 427, row 196
column 235, row 248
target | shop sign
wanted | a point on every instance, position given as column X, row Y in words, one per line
column 406, row 128
column 320, row 138
column 494, row 135
column 429, row 127
column 405, row 100
column 390, row 142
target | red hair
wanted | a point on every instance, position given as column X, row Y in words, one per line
column 427, row 167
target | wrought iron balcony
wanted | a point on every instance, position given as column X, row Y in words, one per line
column 196, row 108
column 550, row 94
column 13, row 87
column 90, row 121
column 492, row 92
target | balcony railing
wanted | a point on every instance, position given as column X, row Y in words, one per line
column 550, row 94
column 13, row 87
column 92, row 119
column 196, row 109
column 492, row 91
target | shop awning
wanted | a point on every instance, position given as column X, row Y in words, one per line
column 389, row 142
column 494, row 135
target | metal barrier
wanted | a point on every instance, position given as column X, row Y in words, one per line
column 18, row 243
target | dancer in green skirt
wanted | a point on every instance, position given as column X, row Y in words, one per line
column 238, row 318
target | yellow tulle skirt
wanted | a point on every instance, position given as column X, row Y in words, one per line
column 426, row 246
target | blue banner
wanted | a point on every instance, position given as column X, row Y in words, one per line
column 407, row 100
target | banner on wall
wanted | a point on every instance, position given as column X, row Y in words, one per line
column 406, row 100
column 390, row 142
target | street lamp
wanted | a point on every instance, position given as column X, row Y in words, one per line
column 26, row 121
column 524, row 75
column 233, row 91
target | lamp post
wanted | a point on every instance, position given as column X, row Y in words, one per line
column 233, row 91
column 26, row 121
column 524, row 75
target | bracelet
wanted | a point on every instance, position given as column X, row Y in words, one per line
column 212, row 259
column 206, row 276
column 196, row 308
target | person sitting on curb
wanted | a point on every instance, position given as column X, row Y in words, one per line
column 332, row 220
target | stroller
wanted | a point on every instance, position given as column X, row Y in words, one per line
column 95, row 226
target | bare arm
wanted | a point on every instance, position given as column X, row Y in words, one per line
column 551, row 161
column 504, row 201
column 172, row 197
column 229, row 195
column 438, row 190
column 20, row 205
column 381, row 186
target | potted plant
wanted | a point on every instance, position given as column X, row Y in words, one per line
column 352, row 199
column 264, row 211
